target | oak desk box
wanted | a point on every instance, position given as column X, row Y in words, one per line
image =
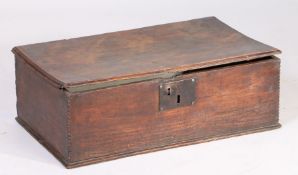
column 108, row 96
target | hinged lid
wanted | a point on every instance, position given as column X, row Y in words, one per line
column 135, row 55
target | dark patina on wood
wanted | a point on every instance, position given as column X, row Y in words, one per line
column 108, row 96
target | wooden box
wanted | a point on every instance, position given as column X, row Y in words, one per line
column 108, row 96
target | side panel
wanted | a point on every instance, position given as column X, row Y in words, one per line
column 42, row 109
column 125, row 120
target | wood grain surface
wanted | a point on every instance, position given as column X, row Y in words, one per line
column 142, row 52
column 126, row 119
column 42, row 107
column 236, row 90
column 105, row 124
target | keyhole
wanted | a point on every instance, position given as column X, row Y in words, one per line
column 178, row 98
column 169, row 91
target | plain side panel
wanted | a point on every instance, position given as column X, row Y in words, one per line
column 125, row 120
column 42, row 109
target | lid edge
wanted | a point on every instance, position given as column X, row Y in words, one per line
column 166, row 73
column 160, row 75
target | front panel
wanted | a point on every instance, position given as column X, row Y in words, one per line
column 126, row 120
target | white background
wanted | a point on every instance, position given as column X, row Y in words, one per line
column 272, row 22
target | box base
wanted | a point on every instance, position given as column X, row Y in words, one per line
column 113, row 157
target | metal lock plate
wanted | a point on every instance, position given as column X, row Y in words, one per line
column 176, row 94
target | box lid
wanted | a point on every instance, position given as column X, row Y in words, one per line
column 136, row 55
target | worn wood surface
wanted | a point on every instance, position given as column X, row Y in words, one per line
column 236, row 90
column 124, row 120
column 142, row 52
column 42, row 107
column 88, row 127
column 95, row 126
